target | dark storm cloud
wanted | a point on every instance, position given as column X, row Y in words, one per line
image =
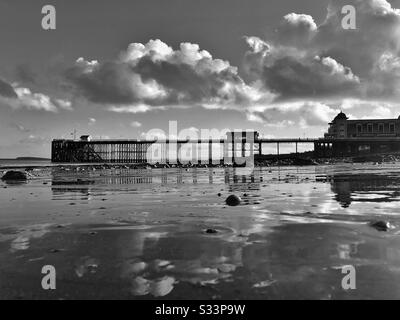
column 156, row 75
column 6, row 90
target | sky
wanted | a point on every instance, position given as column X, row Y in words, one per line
column 124, row 68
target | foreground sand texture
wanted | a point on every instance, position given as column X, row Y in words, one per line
column 141, row 234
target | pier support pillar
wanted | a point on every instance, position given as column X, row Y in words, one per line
column 210, row 153
column 200, row 149
column 167, row 152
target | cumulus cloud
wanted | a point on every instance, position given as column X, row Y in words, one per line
column 297, row 29
column 154, row 75
column 303, row 74
column 19, row 97
column 306, row 60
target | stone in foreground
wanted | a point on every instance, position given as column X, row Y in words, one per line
column 14, row 176
column 233, row 200
column 381, row 225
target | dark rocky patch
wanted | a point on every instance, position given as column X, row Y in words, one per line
column 14, row 176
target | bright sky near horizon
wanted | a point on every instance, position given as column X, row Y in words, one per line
column 121, row 68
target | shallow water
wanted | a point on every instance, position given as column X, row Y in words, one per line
column 140, row 234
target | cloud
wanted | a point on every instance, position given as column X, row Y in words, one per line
column 154, row 75
column 304, row 114
column 304, row 60
column 369, row 109
column 18, row 97
column 63, row 104
column 302, row 74
column 135, row 124
column 32, row 101
column 297, row 28
column 92, row 121
column 21, row 128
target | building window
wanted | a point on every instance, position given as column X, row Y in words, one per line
column 359, row 128
column 380, row 128
column 369, row 128
column 391, row 128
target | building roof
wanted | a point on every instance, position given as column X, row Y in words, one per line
column 340, row 116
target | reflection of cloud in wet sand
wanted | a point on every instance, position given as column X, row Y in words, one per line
column 145, row 277
column 139, row 271
column 24, row 236
column 158, row 287
column 86, row 265
column 141, row 285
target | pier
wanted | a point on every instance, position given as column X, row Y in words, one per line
column 236, row 148
column 344, row 138
column 232, row 150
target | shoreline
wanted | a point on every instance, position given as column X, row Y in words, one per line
column 273, row 162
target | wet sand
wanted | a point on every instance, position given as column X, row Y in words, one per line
column 141, row 234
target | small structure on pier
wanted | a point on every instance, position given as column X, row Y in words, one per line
column 85, row 138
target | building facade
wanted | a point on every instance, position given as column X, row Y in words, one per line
column 347, row 137
column 341, row 127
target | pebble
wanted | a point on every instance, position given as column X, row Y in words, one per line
column 233, row 200
column 381, row 225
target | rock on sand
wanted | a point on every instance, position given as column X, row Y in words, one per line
column 14, row 176
column 233, row 200
column 381, row 225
